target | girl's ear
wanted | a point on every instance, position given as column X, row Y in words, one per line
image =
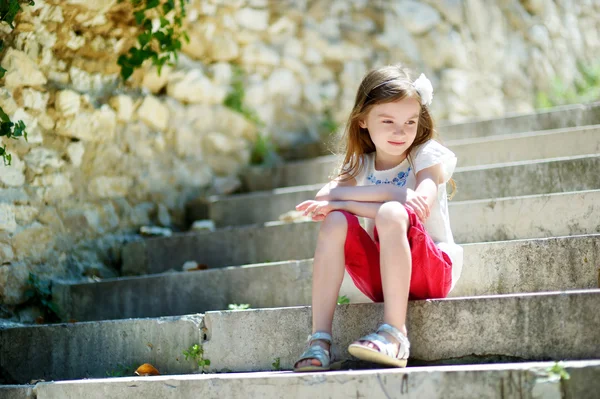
column 362, row 123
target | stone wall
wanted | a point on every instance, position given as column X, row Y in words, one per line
column 104, row 158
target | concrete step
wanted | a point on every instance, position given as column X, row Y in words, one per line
column 536, row 216
column 531, row 145
column 505, row 267
column 490, row 181
column 98, row 349
column 552, row 118
column 527, row 146
column 514, row 380
column 548, row 326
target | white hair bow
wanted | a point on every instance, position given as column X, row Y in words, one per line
column 425, row 89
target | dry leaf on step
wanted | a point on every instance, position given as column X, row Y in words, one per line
column 146, row 369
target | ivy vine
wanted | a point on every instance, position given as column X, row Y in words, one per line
column 8, row 11
column 159, row 39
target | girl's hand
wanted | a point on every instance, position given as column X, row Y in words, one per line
column 418, row 203
column 319, row 209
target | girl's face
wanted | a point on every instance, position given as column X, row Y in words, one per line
column 393, row 126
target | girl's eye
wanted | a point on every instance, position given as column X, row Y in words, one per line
column 388, row 121
column 411, row 122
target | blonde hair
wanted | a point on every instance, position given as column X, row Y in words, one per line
column 379, row 86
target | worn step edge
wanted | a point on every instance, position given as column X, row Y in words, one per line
column 540, row 326
column 482, row 182
column 548, row 215
column 504, row 267
column 512, row 380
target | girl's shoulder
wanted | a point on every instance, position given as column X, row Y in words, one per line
column 432, row 153
column 431, row 147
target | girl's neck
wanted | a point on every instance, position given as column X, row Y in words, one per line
column 385, row 161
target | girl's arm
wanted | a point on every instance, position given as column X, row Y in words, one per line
column 333, row 184
column 380, row 193
column 364, row 209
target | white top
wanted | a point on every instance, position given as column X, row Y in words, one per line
column 404, row 175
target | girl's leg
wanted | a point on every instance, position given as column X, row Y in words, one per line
column 392, row 225
column 328, row 273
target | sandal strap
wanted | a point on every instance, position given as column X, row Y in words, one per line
column 404, row 344
column 322, row 336
column 382, row 343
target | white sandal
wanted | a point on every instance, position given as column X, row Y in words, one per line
column 386, row 354
column 317, row 352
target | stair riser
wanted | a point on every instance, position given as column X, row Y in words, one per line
column 492, row 268
column 83, row 350
column 472, row 221
column 470, row 150
column 534, row 327
column 524, row 179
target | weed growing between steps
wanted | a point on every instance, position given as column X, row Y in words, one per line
column 558, row 370
column 277, row 364
column 122, row 370
column 196, row 353
column 242, row 306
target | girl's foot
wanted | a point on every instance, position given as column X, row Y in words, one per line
column 317, row 356
column 313, row 361
column 388, row 346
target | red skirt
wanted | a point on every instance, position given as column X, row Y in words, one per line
column 431, row 275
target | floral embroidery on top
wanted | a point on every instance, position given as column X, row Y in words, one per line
column 399, row 180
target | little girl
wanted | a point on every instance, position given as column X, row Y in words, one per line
column 394, row 174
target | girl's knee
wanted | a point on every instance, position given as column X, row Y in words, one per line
column 391, row 215
column 335, row 221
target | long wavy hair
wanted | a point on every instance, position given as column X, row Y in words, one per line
column 379, row 86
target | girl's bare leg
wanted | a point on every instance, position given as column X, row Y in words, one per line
column 395, row 262
column 328, row 273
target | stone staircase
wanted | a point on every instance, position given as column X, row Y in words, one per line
column 527, row 213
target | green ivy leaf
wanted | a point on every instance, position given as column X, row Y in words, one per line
column 3, row 116
column 139, row 16
column 152, row 4
column 144, row 38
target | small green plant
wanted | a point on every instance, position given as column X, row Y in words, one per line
column 243, row 306
column 264, row 152
column 122, row 370
column 39, row 293
column 584, row 89
column 277, row 364
column 8, row 12
column 559, row 370
column 9, row 129
column 157, row 42
column 328, row 125
column 343, row 300
column 196, row 352
column 235, row 98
